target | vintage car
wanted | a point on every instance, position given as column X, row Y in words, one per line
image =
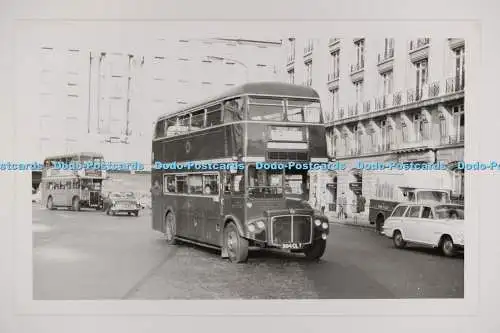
column 438, row 225
column 121, row 202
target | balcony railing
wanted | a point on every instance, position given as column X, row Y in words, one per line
column 455, row 84
column 290, row 58
column 366, row 107
column 357, row 67
column 333, row 76
column 341, row 113
column 399, row 98
column 434, row 89
column 419, row 43
column 388, row 54
column 452, row 139
column 308, row 49
column 332, row 40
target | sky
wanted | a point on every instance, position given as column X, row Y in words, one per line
column 170, row 70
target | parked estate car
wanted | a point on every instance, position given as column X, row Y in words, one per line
column 121, row 202
column 430, row 224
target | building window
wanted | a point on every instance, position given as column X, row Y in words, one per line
column 404, row 132
column 418, row 127
column 291, row 76
column 458, row 123
column 387, row 83
column 421, row 76
column 360, row 54
column 308, row 79
column 459, row 69
column 291, row 50
column 334, row 101
column 358, row 87
column 389, row 48
column 358, row 137
column 442, row 129
column 373, row 140
column 309, row 46
column 335, row 65
column 345, row 144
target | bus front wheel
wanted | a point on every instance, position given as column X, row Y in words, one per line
column 170, row 229
column 315, row 250
column 236, row 246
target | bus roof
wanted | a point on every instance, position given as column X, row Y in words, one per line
column 89, row 154
column 270, row 88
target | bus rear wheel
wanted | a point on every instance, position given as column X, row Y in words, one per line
column 315, row 250
column 75, row 205
column 170, row 229
column 236, row 246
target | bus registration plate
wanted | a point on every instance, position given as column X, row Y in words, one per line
column 292, row 246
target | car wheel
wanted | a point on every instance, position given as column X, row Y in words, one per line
column 136, row 213
column 398, row 240
column 170, row 229
column 447, row 246
column 107, row 211
column 315, row 250
column 236, row 246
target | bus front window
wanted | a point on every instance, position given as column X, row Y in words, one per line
column 265, row 183
column 303, row 111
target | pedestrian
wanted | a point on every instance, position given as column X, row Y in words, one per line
column 156, row 189
column 341, row 213
column 322, row 204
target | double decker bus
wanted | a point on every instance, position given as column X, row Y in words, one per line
column 238, row 209
column 72, row 187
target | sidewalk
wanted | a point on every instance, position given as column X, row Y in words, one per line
column 356, row 220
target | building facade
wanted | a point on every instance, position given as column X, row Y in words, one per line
column 386, row 100
column 106, row 101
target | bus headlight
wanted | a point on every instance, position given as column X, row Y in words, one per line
column 261, row 224
column 252, row 228
column 317, row 222
column 324, row 236
column 249, row 205
column 324, row 225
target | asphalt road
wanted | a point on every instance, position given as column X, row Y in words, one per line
column 88, row 255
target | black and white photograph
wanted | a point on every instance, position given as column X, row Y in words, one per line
column 277, row 166
column 248, row 166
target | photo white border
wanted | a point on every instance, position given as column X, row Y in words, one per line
column 405, row 31
column 477, row 146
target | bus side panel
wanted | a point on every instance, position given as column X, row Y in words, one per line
column 177, row 149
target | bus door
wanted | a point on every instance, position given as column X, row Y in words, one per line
column 203, row 207
column 233, row 196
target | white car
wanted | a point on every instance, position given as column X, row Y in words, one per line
column 430, row 224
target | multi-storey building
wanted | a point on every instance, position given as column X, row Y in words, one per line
column 106, row 101
column 385, row 100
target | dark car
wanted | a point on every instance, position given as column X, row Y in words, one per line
column 121, row 202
